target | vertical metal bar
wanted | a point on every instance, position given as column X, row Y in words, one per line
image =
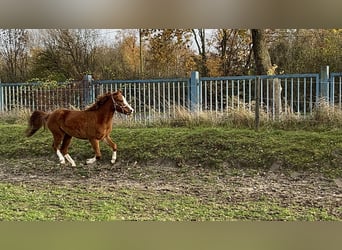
column 19, row 97
column 232, row 94
column 168, row 98
column 10, row 98
column 298, row 95
column 258, row 92
column 6, row 99
column 154, row 100
column 164, row 101
column 261, row 94
column 174, row 98
column 292, row 111
column 1, row 97
column 304, row 98
column 285, row 101
column 206, row 95
column 184, row 92
column 28, row 96
column 267, row 98
column 34, row 98
column 274, row 100
column 139, row 101
column 332, row 91
column 178, row 94
column 149, row 101
column 216, row 97
column 25, row 96
column 211, row 95
column 159, row 103
column 222, row 95
column 238, row 94
column 243, row 93
column 181, row 94
column 311, row 92
column 340, row 92
column 227, row 95
column 135, row 100
column 44, row 97
column 249, row 95
column 13, row 98
column 144, row 102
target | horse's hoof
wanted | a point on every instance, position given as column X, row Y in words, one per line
column 90, row 161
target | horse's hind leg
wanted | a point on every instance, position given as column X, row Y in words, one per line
column 96, row 146
column 64, row 149
column 114, row 147
column 57, row 139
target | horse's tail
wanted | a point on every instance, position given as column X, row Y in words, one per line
column 36, row 121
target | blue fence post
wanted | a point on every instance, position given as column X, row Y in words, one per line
column 323, row 90
column 332, row 89
column 195, row 92
column 86, row 83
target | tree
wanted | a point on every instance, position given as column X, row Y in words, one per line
column 168, row 52
column 199, row 36
column 307, row 50
column 229, row 52
column 121, row 59
column 66, row 53
column 264, row 66
column 261, row 56
column 14, row 54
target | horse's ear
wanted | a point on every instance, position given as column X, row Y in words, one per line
column 119, row 91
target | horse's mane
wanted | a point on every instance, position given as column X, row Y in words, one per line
column 99, row 102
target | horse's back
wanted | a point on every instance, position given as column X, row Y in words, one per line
column 69, row 121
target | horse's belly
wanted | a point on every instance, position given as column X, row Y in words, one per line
column 77, row 133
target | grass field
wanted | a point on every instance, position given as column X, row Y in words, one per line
column 170, row 174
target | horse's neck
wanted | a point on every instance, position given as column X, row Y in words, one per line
column 105, row 113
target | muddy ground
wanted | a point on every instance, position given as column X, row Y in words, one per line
column 226, row 184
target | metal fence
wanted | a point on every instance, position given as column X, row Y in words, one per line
column 289, row 93
column 161, row 98
column 151, row 99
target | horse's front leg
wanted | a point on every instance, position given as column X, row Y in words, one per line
column 114, row 147
column 64, row 149
column 57, row 139
column 96, row 146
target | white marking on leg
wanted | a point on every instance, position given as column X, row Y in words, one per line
column 91, row 160
column 72, row 162
column 60, row 157
column 113, row 157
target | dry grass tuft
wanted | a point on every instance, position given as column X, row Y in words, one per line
column 15, row 116
column 324, row 115
column 327, row 114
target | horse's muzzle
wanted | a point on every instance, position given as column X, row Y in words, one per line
column 128, row 111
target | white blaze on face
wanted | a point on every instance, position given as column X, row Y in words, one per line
column 126, row 104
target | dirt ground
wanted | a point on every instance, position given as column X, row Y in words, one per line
column 222, row 185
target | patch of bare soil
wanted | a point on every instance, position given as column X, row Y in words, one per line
column 221, row 185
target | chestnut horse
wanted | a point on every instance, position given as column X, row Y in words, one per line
column 94, row 123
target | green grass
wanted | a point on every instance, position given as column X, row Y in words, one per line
column 197, row 147
column 25, row 203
